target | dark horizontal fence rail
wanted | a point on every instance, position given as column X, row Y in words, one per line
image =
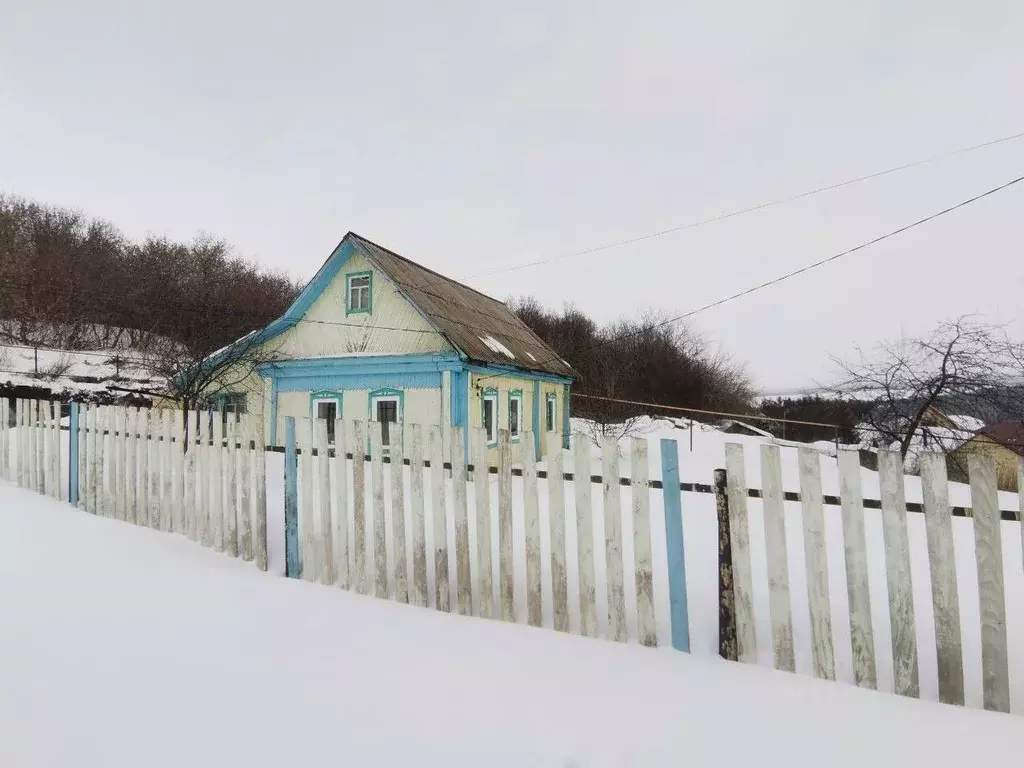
column 754, row 493
column 1008, row 515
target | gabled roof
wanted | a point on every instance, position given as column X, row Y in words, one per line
column 483, row 329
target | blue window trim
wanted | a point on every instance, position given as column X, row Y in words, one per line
column 489, row 393
column 565, row 417
column 551, row 398
column 515, row 394
column 325, row 394
column 349, row 276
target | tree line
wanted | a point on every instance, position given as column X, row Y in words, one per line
column 647, row 360
column 75, row 282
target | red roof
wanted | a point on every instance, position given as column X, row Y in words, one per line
column 1009, row 434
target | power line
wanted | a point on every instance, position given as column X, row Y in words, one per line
column 751, row 209
column 796, row 272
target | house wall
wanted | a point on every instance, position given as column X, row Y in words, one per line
column 394, row 327
column 534, row 391
column 1006, row 461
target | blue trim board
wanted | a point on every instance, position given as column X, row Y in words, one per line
column 293, row 563
column 323, row 366
column 516, row 372
column 678, row 609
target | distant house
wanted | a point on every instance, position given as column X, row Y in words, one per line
column 1004, row 442
column 375, row 336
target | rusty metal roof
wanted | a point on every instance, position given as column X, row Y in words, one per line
column 1009, row 434
column 485, row 329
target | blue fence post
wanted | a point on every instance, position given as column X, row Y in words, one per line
column 292, row 564
column 674, row 540
column 73, row 456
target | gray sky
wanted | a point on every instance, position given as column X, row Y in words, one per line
column 470, row 138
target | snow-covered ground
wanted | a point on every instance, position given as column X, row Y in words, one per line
column 123, row 646
column 74, row 373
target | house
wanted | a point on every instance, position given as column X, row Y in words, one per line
column 1004, row 442
column 735, row 427
column 375, row 336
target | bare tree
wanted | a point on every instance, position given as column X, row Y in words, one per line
column 197, row 375
column 961, row 367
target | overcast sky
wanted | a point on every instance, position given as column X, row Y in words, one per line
column 471, row 139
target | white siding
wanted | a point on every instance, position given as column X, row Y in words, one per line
column 328, row 332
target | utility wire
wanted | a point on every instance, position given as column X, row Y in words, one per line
column 796, row 272
column 751, row 209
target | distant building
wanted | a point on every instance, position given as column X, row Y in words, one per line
column 377, row 337
column 1003, row 442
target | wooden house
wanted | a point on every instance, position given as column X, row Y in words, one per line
column 375, row 336
column 1003, row 442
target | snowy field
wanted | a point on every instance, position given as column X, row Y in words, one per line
column 123, row 646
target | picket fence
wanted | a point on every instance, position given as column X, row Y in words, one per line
column 452, row 545
column 138, row 465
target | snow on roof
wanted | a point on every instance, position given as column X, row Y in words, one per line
column 496, row 346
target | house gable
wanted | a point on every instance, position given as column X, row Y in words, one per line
column 321, row 323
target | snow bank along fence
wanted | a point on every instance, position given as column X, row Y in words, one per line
column 498, row 539
column 137, row 465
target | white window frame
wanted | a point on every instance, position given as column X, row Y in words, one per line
column 492, row 433
column 337, row 413
column 515, row 397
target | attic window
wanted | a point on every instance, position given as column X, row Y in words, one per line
column 358, row 287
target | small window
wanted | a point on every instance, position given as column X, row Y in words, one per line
column 515, row 414
column 490, row 415
column 386, row 412
column 550, row 413
column 328, row 409
column 357, row 298
column 232, row 403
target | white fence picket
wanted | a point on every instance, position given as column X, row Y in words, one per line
column 897, row 571
column 341, row 515
column 177, row 448
column 463, row 574
column 245, row 487
column 259, row 461
column 380, row 552
column 942, row 562
column 822, row 650
column 4, row 435
column 131, row 465
column 862, row 636
column 643, row 559
column 165, row 470
column 614, row 574
column 359, row 507
column 398, row 537
column 743, row 581
column 988, row 548
column 585, row 536
column 506, row 567
column 438, row 511
column 120, row 476
column 531, row 525
column 556, row 526
column 325, row 551
column 417, row 518
column 231, row 495
column 779, row 605
column 484, row 542
column 95, row 468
